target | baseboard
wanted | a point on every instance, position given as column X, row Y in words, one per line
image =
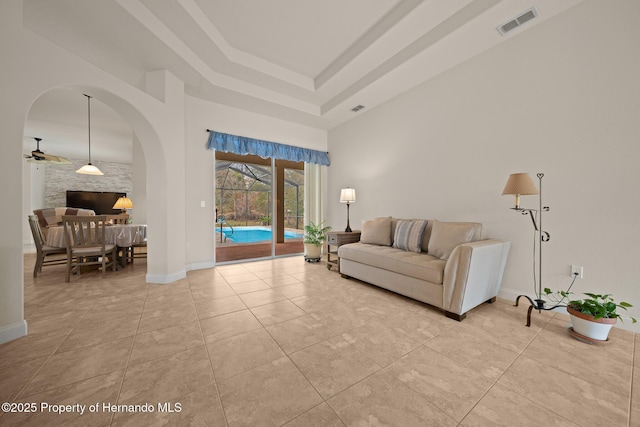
column 511, row 294
column 166, row 278
column 12, row 332
column 201, row 265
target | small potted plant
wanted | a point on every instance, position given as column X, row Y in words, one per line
column 314, row 236
column 591, row 317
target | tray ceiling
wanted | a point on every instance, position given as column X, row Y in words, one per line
column 305, row 61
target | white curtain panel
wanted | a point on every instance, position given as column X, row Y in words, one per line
column 313, row 193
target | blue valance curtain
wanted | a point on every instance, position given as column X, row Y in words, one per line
column 243, row 145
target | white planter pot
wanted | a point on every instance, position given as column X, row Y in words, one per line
column 585, row 325
column 312, row 251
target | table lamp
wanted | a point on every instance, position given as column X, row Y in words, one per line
column 348, row 196
column 123, row 203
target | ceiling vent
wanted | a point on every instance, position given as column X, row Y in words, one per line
column 357, row 108
column 518, row 21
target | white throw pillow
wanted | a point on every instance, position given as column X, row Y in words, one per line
column 377, row 231
column 445, row 236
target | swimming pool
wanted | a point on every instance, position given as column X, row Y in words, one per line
column 255, row 234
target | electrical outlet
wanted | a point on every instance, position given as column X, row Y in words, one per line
column 577, row 269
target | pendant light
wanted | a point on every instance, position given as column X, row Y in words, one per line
column 89, row 169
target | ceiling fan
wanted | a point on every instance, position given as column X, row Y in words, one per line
column 38, row 156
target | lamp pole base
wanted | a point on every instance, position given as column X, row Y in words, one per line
column 348, row 229
column 537, row 304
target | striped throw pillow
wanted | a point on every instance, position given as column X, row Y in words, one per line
column 409, row 234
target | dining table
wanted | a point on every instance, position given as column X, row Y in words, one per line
column 124, row 236
column 121, row 235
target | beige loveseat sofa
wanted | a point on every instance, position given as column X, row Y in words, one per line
column 445, row 264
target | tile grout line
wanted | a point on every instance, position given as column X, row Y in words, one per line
column 288, row 355
column 66, row 336
column 520, row 354
column 502, row 374
column 206, row 349
column 133, row 342
column 380, row 369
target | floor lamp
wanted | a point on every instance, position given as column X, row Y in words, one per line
column 520, row 184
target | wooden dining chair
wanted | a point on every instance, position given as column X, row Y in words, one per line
column 45, row 254
column 119, row 219
column 86, row 244
column 140, row 252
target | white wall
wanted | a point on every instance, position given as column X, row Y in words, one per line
column 562, row 98
column 200, row 116
column 139, row 165
column 33, row 191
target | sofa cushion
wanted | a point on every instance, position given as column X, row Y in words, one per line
column 408, row 234
column 417, row 265
column 377, row 231
column 445, row 236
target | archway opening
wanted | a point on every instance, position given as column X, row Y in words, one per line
column 63, row 126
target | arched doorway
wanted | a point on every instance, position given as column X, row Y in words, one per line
column 154, row 129
column 59, row 119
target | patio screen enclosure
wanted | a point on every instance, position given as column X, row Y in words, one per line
column 244, row 198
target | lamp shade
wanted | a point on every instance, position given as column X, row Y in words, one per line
column 520, row 184
column 89, row 169
column 123, row 203
column 348, row 195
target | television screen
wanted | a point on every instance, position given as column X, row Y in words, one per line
column 99, row 201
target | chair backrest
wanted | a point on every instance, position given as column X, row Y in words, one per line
column 122, row 218
column 84, row 231
column 49, row 217
column 36, row 232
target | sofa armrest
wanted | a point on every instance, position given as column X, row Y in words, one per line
column 473, row 274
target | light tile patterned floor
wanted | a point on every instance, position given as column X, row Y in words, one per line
column 284, row 342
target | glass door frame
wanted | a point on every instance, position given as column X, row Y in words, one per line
column 277, row 196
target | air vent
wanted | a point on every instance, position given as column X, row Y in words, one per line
column 357, row 108
column 516, row 22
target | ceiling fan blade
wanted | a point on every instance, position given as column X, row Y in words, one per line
column 62, row 160
column 40, row 156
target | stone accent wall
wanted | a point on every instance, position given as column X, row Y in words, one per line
column 60, row 178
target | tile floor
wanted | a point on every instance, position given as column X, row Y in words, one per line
column 284, row 342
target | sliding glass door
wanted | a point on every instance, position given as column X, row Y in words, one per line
column 259, row 207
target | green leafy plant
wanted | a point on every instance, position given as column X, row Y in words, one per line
column 315, row 233
column 600, row 306
column 597, row 305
